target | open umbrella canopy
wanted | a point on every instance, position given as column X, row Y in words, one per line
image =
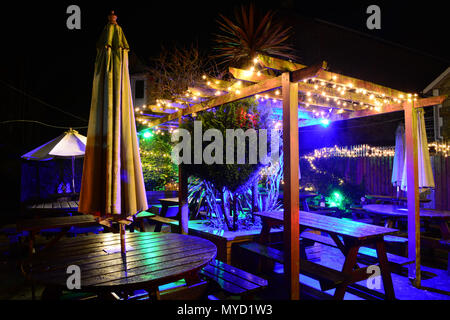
column 69, row 144
column 426, row 179
column 112, row 185
column 399, row 157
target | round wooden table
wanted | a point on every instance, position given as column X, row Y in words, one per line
column 152, row 259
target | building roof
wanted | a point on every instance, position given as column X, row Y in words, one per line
column 136, row 65
column 436, row 82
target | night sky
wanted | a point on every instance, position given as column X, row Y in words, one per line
column 41, row 57
column 45, row 59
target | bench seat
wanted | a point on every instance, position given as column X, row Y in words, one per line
column 397, row 261
column 232, row 280
column 328, row 278
column 153, row 217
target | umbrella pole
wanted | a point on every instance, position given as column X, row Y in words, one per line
column 123, row 248
column 73, row 175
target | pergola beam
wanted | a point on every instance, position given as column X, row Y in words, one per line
column 245, row 92
column 308, row 72
column 278, row 64
column 357, row 83
column 420, row 103
column 305, row 87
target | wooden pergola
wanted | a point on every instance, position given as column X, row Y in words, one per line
column 301, row 96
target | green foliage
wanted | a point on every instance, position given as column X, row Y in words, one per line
column 157, row 165
column 230, row 183
column 329, row 184
column 242, row 114
column 251, row 33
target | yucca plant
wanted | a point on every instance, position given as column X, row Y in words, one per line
column 251, row 33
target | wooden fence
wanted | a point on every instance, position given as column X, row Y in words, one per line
column 374, row 173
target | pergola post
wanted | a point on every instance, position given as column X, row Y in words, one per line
column 291, row 185
column 183, row 210
column 412, row 176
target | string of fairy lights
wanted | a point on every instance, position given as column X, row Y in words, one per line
column 442, row 148
column 320, row 94
column 319, row 97
column 352, row 152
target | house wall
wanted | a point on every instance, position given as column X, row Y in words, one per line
column 147, row 97
column 444, row 111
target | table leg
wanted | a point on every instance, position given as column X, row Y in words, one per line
column 31, row 242
column 305, row 205
column 385, row 270
column 347, row 269
column 265, row 232
column 142, row 225
column 56, row 238
column 164, row 208
column 192, row 278
column 389, row 223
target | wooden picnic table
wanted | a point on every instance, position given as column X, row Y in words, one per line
column 34, row 226
column 62, row 206
column 165, row 204
column 393, row 213
column 349, row 236
column 152, row 259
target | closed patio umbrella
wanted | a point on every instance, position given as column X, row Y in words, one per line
column 112, row 185
column 70, row 144
column 426, row 179
column 399, row 158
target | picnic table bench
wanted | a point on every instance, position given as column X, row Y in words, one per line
column 141, row 216
column 160, row 217
column 348, row 236
column 232, row 280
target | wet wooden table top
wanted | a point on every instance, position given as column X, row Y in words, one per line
column 152, row 259
column 62, row 205
column 346, row 228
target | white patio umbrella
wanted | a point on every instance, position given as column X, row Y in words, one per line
column 70, row 144
column 399, row 158
column 426, row 179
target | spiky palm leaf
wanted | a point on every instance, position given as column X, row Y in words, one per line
column 251, row 34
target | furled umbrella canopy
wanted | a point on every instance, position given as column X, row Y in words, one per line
column 399, row 157
column 70, row 144
column 426, row 179
column 112, row 185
